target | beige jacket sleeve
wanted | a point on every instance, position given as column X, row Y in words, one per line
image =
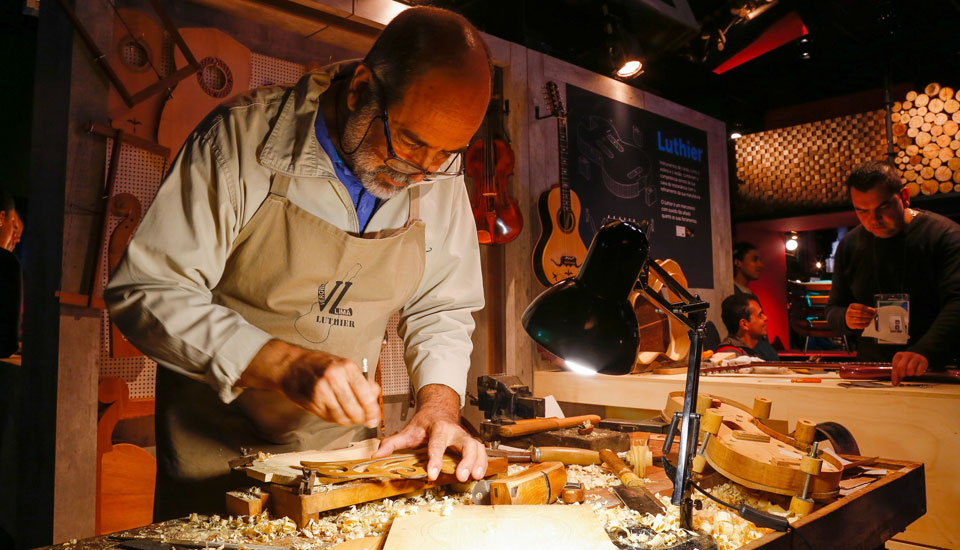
column 437, row 323
column 160, row 296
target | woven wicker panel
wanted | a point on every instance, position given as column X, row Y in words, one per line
column 802, row 168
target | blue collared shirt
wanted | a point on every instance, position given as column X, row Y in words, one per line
column 365, row 203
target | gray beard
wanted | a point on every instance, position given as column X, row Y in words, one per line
column 366, row 164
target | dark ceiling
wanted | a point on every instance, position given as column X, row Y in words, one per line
column 850, row 46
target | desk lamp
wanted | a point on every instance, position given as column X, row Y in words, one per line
column 588, row 322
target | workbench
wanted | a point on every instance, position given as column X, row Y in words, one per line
column 864, row 519
column 913, row 423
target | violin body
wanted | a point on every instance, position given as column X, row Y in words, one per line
column 489, row 163
column 495, row 212
column 747, row 451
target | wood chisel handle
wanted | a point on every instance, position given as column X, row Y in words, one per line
column 626, row 475
column 535, row 425
column 538, row 484
column 567, row 455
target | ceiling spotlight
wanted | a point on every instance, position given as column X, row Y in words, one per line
column 760, row 9
column 792, row 243
column 804, row 55
column 630, row 68
column 735, row 135
column 819, row 264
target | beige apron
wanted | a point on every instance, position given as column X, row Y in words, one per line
column 305, row 282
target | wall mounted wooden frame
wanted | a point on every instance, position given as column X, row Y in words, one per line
column 133, row 98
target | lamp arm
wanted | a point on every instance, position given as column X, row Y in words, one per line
column 672, row 283
column 692, row 312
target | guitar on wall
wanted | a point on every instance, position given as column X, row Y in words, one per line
column 560, row 251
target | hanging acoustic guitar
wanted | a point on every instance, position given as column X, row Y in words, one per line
column 560, row 251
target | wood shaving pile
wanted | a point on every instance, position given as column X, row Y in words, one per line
column 375, row 518
column 592, row 476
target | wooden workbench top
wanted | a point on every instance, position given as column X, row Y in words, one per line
column 864, row 519
column 646, row 391
column 915, row 423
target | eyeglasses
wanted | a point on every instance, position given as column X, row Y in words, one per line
column 404, row 166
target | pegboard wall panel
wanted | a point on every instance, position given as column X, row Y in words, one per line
column 802, row 168
column 267, row 71
column 138, row 173
column 393, row 376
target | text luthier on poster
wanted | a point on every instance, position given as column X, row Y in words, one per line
column 630, row 164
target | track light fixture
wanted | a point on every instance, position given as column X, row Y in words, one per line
column 625, row 57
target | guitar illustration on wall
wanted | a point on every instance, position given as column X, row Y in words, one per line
column 559, row 252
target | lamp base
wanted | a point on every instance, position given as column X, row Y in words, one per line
column 621, row 538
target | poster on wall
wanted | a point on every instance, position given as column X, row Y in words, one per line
column 630, row 164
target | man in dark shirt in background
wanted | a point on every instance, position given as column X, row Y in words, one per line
column 746, row 324
column 10, row 278
column 897, row 249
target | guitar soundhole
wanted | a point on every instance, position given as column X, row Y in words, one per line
column 565, row 221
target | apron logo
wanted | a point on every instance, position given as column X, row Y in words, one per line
column 326, row 313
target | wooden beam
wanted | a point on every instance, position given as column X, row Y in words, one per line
column 311, row 19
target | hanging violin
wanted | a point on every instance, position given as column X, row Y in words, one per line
column 489, row 164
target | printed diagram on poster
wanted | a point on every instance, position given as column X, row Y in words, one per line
column 630, row 164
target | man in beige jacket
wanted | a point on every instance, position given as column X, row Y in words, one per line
column 292, row 224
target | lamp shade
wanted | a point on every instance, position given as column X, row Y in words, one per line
column 587, row 320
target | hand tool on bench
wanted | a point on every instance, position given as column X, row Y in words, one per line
column 566, row 455
column 538, row 484
column 632, row 493
column 529, row 426
column 320, row 485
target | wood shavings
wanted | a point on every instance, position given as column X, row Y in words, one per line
column 591, row 476
column 729, row 530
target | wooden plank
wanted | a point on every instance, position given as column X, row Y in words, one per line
column 284, row 468
column 314, row 21
column 482, row 527
column 285, row 501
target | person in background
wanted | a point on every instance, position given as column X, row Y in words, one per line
column 901, row 250
column 11, row 281
column 745, row 322
column 747, row 267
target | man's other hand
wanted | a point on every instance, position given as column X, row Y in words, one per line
column 437, row 424
column 328, row 386
column 907, row 363
column 859, row 316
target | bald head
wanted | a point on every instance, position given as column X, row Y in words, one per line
column 423, row 40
